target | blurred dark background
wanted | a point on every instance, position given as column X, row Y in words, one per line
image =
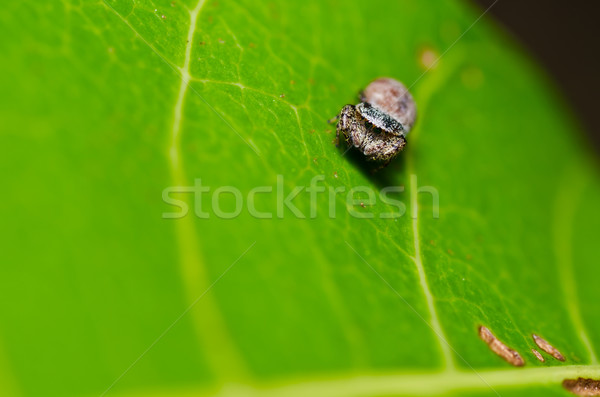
column 565, row 37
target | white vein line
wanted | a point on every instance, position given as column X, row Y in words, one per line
column 184, row 71
column 183, row 86
column 412, row 384
column 564, row 208
column 134, row 30
column 417, row 259
column 435, row 321
column 186, row 80
column 439, row 335
column 166, row 331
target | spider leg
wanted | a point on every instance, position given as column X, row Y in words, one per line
column 333, row 120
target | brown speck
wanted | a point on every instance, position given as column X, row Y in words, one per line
column 311, row 81
column 328, row 131
column 538, row 355
column 582, row 386
column 450, row 252
column 252, row 45
column 282, row 96
column 315, row 160
column 547, row 347
column 362, row 205
column 428, row 58
column 332, row 87
column 508, row 354
column 163, row 17
column 292, row 82
column 202, row 43
column 432, row 242
column 313, row 131
column 335, row 175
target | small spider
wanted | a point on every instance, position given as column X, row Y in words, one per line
column 378, row 125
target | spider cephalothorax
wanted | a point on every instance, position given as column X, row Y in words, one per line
column 378, row 125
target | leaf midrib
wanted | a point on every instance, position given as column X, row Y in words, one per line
column 390, row 383
column 565, row 207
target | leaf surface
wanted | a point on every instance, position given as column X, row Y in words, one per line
column 108, row 103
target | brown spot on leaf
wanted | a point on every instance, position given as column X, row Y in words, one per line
column 547, row 347
column 428, row 58
column 252, row 45
column 582, row 386
column 508, row 354
column 292, row 82
column 538, row 355
column 335, row 175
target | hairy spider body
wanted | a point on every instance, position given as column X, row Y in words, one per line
column 378, row 125
column 375, row 143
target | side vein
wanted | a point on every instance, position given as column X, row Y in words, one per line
column 184, row 71
column 435, row 324
column 417, row 259
column 219, row 350
column 426, row 91
column 565, row 207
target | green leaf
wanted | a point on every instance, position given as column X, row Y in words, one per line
column 107, row 104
